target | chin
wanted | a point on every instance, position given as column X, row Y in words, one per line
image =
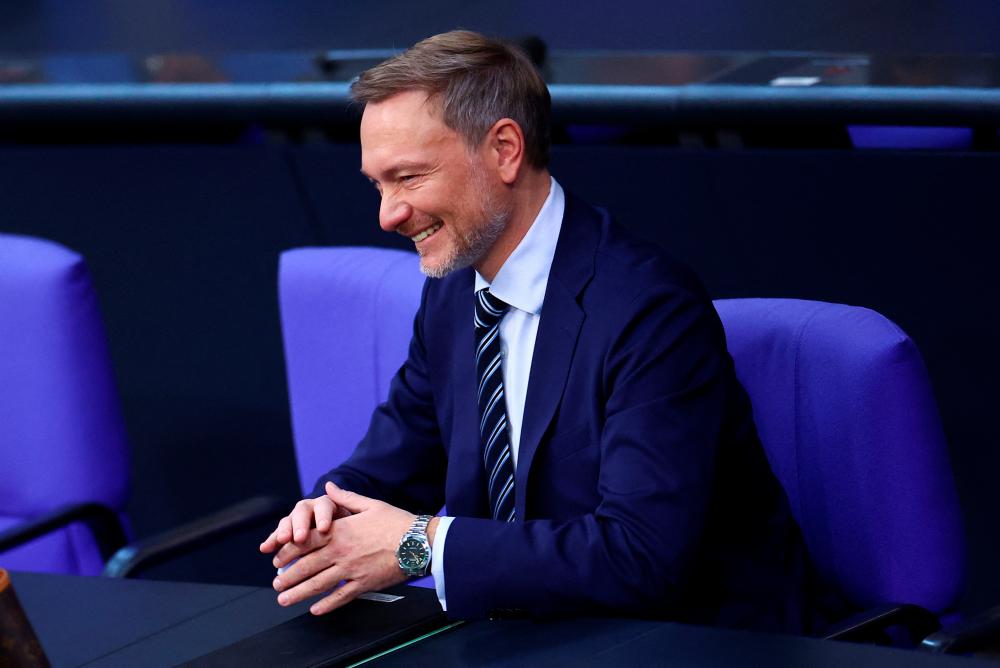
column 441, row 267
column 460, row 252
column 436, row 267
column 432, row 270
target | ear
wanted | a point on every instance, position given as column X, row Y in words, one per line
column 506, row 143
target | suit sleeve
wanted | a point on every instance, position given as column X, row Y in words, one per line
column 401, row 459
column 663, row 384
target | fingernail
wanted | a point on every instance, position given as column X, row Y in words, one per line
column 283, row 599
column 314, row 610
column 277, row 564
column 276, row 584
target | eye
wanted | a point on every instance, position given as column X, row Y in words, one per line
column 409, row 178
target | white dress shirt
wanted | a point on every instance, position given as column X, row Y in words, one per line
column 520, row 283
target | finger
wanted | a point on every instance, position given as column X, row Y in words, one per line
column 353, row 502
column 283, row 533
column 323, row 511
column 287, row 554
column 342, row 595
column 302, row 520
column 270, row 544
column 320, row 583
column 304, row 568
column 291, row 551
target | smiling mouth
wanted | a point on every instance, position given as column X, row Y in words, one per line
column 426, row 233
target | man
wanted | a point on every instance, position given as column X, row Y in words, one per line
column 567, row 391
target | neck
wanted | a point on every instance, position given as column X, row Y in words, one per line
column 528, row 194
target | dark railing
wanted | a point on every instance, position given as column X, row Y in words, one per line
column 646, row 88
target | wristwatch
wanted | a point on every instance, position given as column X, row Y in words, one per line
column 414, row 551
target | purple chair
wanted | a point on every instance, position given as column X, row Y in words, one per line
column 63, row 449
column 911, row 137
column 346, row 319
column 844, row 408
column 841, row 399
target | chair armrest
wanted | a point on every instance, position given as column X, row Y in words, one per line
column 977, row 634
column 871, row 626
column 103, row 522
column 140, row 555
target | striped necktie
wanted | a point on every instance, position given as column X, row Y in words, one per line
column 493, row 407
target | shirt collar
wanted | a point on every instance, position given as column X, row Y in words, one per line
column 523, row 277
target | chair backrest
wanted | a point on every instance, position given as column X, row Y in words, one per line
column 62, row 436
column 346, row 319
column 844, row 408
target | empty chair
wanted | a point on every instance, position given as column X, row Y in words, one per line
column 346, row 319
column 903, row 137
column 63, row 449
column 844, row 408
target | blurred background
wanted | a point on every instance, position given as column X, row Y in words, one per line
column 844, row 151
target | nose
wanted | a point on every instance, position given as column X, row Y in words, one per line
column 393, row 212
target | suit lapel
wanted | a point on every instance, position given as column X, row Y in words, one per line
column 558, row 332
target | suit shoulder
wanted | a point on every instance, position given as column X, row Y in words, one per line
column 630, row 265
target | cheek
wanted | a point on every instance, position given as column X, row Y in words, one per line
column 468, row 210
column 429, row 204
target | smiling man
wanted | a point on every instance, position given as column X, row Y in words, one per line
column 458, row 208
column 567, row 391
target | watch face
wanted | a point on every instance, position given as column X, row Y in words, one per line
column 412, row 553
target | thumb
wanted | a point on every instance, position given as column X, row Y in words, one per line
column 349, row 500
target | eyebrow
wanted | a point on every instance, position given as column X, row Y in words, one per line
column 401, row 166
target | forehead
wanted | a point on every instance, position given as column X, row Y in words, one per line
column 405, row 127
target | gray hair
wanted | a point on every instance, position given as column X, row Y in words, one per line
column 479, row 81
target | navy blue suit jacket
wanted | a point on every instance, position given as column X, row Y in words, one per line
column 640, row 480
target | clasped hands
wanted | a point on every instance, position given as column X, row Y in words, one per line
column 345, row 545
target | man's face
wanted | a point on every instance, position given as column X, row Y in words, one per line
column 435, row 190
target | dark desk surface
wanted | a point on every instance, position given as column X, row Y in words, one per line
column 103, row 622
column 635, row 643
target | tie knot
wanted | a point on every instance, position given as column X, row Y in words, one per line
column 489, row 308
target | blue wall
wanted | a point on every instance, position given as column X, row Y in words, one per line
column 915, row 26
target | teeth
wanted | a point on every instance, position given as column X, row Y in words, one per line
column 426, row 233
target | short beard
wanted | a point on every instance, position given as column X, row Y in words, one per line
column 472, row 246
